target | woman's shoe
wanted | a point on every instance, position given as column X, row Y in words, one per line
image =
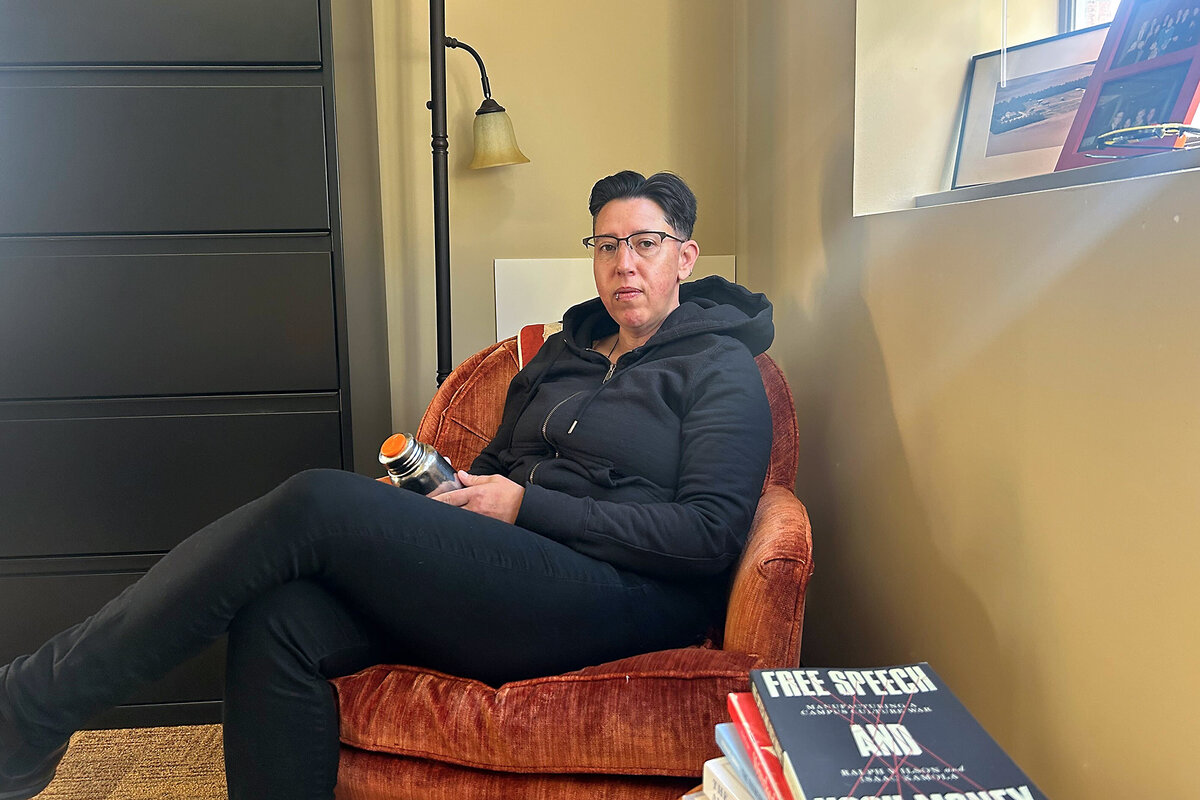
column 25, row 782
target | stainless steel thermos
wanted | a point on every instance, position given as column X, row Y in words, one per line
column 416, row 466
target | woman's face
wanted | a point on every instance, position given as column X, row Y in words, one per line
column 640, row 290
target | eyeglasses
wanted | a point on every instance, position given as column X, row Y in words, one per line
column 642, row 243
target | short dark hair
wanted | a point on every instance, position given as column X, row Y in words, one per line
column 666, row 189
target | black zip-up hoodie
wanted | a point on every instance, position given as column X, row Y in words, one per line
column 654, row 464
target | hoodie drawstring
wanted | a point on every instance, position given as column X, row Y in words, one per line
column 603, row 383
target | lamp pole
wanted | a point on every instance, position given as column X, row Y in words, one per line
column 495, row 146
column 441, row 198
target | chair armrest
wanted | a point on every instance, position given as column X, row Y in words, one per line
column 766, row 603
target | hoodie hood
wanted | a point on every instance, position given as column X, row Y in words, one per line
column 708, row 305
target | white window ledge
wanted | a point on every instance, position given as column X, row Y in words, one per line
column 1102, row 171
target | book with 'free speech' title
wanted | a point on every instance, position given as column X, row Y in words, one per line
column 893, row 733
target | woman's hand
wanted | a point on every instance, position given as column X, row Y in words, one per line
column 491, row 495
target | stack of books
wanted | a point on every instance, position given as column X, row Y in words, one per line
column 894, row 733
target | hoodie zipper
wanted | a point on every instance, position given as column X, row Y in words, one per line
column 546, row 424
column 612, row 365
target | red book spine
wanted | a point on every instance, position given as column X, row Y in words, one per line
column 750, row 727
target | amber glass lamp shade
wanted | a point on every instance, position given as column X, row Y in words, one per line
column 495, row 141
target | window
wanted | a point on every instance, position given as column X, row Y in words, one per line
column 1086, row 13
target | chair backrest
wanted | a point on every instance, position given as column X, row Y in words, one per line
column 465, row 411
column 766, row 606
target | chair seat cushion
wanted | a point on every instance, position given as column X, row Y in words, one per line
column 379, row 776
column 646, row 715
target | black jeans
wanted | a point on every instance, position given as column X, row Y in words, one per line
column 329, row 573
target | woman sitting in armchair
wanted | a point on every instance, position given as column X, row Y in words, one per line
column 603, row 520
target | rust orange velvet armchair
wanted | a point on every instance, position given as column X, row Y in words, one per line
column 635, row 729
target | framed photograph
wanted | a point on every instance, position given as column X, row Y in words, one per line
column 1017, row 130
column 1147, row 74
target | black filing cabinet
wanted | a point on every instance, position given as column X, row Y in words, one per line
column 172, row 327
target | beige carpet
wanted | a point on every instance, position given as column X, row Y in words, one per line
column 182, row 763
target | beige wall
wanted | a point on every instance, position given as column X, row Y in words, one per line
column 592, row 88
column 1001, row 429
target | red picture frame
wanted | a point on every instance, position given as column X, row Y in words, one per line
column 1148, row 72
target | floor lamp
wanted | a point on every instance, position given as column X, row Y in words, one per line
column 495, row 146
